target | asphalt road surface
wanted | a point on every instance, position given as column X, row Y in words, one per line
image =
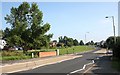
column 63, row 68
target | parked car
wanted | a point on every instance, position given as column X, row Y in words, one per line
column 20, row 48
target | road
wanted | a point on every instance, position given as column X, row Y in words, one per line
column 75, row 66
column 66, row 67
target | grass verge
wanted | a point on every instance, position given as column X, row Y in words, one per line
column 14, row 57
column 18, row 55
column 75, row 49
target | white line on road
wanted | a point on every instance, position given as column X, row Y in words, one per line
column 82, row 68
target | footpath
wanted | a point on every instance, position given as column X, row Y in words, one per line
column 34, row 63
column 102, row 65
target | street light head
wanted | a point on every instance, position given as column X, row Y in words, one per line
column 106, row 17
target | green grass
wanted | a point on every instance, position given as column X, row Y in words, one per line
column 14, row 57
column 75, row 49
column 18, row 55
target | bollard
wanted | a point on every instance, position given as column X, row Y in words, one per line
column 57, row 52
column 32, row 55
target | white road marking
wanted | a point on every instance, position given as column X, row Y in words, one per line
column 82, row 68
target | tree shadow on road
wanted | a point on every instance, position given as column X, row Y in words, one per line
column 103, row 66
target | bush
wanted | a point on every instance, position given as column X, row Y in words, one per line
column 11, row 53
column 15, row 57
column 114, row 46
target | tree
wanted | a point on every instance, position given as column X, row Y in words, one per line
column 60, row 39
column 81, row 43
column 114, row 46
column 55, row 41
column 1, row 34
column 66, row 41
column 69, row 42
column 6, row 33
column 75, row 42
column 92, row 43
column 88, row 43
column 110, row 42
column 27, row 28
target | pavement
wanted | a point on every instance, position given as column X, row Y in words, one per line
column 102, row 65
column 15, row 66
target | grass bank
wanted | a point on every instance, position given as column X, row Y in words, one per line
column 18, row 55
column 75, row 49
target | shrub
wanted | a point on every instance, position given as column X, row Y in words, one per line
column 11, row 53
column 15, row 57
column 114, row 46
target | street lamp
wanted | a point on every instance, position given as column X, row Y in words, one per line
column 86, row 37
column 113, row 26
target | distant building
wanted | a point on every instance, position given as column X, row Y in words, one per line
column 52, row 44
column 2, row 44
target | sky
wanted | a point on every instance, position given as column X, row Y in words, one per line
column 74, row 19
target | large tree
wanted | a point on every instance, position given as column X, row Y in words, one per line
column 27, row 27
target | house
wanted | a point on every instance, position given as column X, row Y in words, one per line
column 53, row 43
column 2, row 43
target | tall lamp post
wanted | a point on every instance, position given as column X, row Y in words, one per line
column 113, row 26
column 86, row 37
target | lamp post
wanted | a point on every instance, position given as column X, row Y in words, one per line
column 113, row 26
column 86, row 37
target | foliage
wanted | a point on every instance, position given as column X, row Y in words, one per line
column 81, row 43
column 15, row 57
column 114, row 46
column 88, row 43
column 75, row 42
column 110, row 42
column 68, row 41
column 55, row 41
column 91, row 43
column 1, row 33
column 18, row 55
column 60, row 45
column 11, row 53
column 27, row 28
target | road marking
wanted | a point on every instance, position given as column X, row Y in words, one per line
column 82, row 68
column 91, row 66
column 88, row 69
